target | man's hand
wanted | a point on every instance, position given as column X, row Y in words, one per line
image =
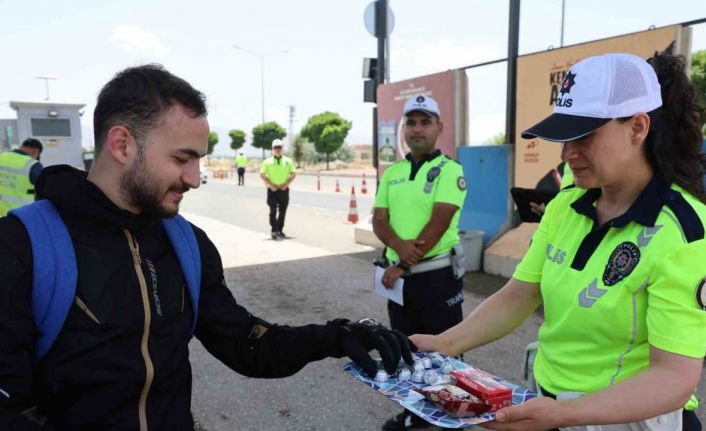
column 272, row 187
column 358, row 338
column 408, row 251
column 284, row 186
column 537, row 414
column 391, row 275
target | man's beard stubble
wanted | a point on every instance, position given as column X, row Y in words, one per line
column 139, row 187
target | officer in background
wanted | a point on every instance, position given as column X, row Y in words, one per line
column 416, row 217
column 278, row 173
column 240, row 163
column 19, row 170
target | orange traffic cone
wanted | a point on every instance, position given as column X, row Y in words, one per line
column 364, row 187
column 353, row 208
column 338, row 188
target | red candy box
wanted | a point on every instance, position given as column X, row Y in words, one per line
column 455, row 401
column 484, row 386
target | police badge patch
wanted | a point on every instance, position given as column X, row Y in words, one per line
column 701, row 294
column 431, row 176
column 461, row 183
column 621, row 263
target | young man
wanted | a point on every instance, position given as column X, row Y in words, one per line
column 121, row 358
column 19, row 170
column 278, row 173
column 416, row 216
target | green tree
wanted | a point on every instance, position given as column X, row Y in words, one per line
column 498, row 139
column 698, row 76
column 237, row 138
column 298, row 150
column 265, row 133
column 212, row 141
column 344, row 154
column 327, row 131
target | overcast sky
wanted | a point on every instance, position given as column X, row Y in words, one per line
column 84, row 43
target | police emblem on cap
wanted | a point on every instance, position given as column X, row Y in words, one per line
column 461, row 183
column 420, row 99
column 568, row 83
column 701, row 294
column 621, row 263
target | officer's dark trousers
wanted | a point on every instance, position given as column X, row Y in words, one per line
column 241, row 176
column 432, row 303
column 277, row 200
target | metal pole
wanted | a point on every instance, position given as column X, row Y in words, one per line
column 46, row 82
column 262, row 93
column 381, row 24
column 381, row 33
column 563, row 15
column 512, row 48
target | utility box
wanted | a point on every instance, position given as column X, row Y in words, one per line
column 56, row 125
column 472, row 243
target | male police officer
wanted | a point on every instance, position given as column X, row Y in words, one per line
column 240, row 163
column 277, row 172
column 19, row 170
column 416, row 217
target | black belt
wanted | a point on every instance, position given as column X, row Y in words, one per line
column 545, row 393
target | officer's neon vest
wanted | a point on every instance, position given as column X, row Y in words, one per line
column 15, row 188
column 55, row 272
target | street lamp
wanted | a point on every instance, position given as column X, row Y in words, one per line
column 262, row 56
column 46, row 82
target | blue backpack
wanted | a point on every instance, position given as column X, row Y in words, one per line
column 56, row 273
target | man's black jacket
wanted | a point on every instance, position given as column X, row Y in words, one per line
column 121, row 361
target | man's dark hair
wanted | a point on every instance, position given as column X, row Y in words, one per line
column 138, row 97
column 33, row 143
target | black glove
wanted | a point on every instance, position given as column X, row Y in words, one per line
column 358, row 338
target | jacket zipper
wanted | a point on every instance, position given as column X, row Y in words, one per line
column 144, row 347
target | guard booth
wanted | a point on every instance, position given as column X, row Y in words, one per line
column 56, row 125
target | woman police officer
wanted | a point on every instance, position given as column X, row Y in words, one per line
column 618, row 261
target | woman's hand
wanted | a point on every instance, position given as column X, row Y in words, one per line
column 537, row 414
column 425, row 343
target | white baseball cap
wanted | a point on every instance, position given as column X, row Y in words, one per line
column 422, row 102
column 597, row 90
column 276, row 143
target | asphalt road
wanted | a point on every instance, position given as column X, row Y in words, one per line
column 317, row 275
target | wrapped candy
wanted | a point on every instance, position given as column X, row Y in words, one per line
column 455, row 401
column 381, row 376
column 418, row 365
column 447, row 367
column 485, row 386
column 404, row 374
column 418, row 376
column 426, row 362
column 431, row 377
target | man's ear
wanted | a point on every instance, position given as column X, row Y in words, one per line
column 121, row 145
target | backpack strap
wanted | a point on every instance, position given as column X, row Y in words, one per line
column 55, row 273
column 183, row 240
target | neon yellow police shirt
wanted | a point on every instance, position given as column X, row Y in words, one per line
column 610, row 292
column 241, row 161
column 410, row 201
column 568, row 178
column 277, row 171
